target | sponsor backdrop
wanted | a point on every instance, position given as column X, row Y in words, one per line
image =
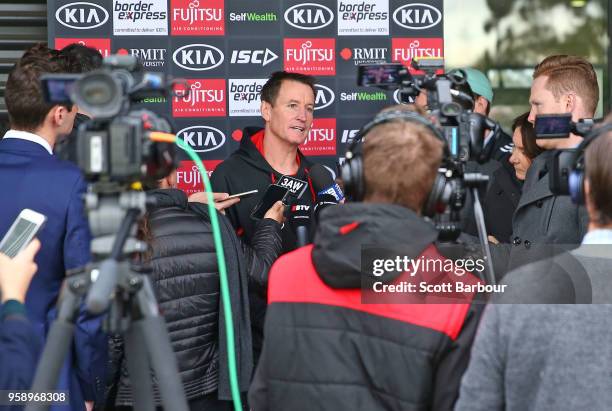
column 227, row 49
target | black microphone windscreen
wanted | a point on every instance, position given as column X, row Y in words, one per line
column 320, row 177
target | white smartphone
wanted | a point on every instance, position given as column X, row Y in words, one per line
column 246, row 193
column 21, row 232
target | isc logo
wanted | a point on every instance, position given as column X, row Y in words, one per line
column 263, row 57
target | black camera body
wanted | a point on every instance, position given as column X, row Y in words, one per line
column 115, row 144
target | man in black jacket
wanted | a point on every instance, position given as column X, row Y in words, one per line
column 327, row 350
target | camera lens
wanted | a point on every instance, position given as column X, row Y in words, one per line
column 99, row 93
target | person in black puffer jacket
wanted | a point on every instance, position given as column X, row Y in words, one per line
column 186, row 280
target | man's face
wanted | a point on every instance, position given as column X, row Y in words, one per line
column 519, row 159
column 290, row 118
column 543, row 101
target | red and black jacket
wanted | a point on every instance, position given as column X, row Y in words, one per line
column 326, row 350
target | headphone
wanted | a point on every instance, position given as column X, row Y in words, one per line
column 351, row 171
column 577, row 174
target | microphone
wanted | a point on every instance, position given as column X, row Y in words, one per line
column 300, row 221
column 323, row 183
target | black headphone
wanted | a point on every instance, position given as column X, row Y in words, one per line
column 577, row 176
column 351, row 171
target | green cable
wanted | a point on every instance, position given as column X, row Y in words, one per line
column 225, row 297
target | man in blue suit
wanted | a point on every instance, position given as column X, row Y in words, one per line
column 31, row 177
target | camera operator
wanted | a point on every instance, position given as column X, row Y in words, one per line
column 19, row 343
column 76, row 58
column 562, row 84
column 53, row 188
column 344, row 354
column 545, row 345
column 186, row 280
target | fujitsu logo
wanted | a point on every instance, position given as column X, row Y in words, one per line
column 307, row 53
column 194, row 13
column 309, row 16
column 81, row 15
column 414, row 50
column 198, row 57
column 198, row 95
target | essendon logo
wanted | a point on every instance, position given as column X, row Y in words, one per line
column 405, row 49
column 321, row 139
column 81, row 15
column 324, row 97
column 102, row 45
column 198, row 17
column 206, row 98
column 311, row 56
column 188, row 177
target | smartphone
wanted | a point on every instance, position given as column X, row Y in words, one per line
column 273, row 194
column 387, row 74
column 553, row 125
column 22, row 231
column 246, row 193
column 57, row 88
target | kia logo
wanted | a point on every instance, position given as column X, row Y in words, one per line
column 417, row 16
column 81, row 15
column 309, row 16
column 202, row 138
column 324, row 97
column 198, row 57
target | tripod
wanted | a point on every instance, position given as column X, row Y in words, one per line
column 125, row 289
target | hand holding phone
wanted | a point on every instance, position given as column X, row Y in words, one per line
column 272, row 194
column 16, row 273
column 21, row 232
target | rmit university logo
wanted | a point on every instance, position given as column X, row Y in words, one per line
column 149, row 58
column 198, row 57
column 321, row 139
column 324, row 97
column 102, row 45
column 417, row 16
column 81, row 15
column 403, row 50
column 309, row 16
column 361, row 55
column 206, row 98
column 311, row 56
column 197, row 17
column 202, row 138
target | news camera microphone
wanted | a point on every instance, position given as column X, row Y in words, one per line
column 323, row 183
column 299, row 216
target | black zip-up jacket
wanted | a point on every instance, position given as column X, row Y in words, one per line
column 246, row 169
column 326, row 350
column 186, row 281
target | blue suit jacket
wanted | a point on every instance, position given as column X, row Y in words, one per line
column 32, row 178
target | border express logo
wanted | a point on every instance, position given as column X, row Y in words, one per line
column 243, row 96
column 206, row 98
column 311, row 56
column 140, row 18
column 197, row 17
column 363, row 18
column 81, row 15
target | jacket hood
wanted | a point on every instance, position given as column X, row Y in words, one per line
column 344, row 229
column 169, row 197
column 250, row 154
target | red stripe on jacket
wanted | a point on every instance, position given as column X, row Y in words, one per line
column 293, row 279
